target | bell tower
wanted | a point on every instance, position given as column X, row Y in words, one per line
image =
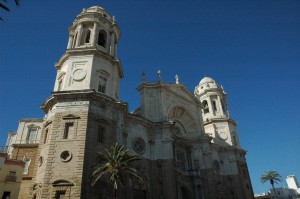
column 90, row 61
column 217, row 121
column 83, row 115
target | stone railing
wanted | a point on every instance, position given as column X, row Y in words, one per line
column 26, row 142
column 11, row 178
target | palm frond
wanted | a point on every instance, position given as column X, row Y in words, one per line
column 114, row 165
column 4, row 7
column 272, row 176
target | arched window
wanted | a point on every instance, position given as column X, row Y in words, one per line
column 102, row 38
column 87, row 36
column 205, row 107
column 214, row 105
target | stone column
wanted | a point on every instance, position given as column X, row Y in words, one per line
column 79, row 33
column 112, row 44
column 211, row 110
column 115, row 50
column 94, row 35
column 70, row 43
column 220, row 105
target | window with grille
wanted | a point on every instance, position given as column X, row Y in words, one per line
column 139, row 145
column 32, row 133
column 102, row 84
column 180, row 159
column 101, row 131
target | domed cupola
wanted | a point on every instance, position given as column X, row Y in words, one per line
column 90, row 61
column 212, row 97
column 208, row 84
column 94, row 27
column 217, row 122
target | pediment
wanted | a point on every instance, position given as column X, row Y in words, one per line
column 180, row 90
column 70, row 116
column 62, row 183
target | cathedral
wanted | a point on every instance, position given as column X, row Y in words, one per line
column 188, row 144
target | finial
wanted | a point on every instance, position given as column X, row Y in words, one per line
column 143, row 76
column 159, row 75
column 177, row 79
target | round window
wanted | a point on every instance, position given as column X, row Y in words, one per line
column 66, row 156
column 139, row 145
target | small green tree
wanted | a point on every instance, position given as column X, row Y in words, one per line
column 114, row 165
column 272, row 177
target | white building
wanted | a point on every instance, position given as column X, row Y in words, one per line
column 292, row 183
column 187, row 141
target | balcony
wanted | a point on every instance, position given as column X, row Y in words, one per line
column 11, row 178
column 26, row 143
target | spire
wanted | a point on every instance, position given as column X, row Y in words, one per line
column 143, row 76
column 177, row 79
column 159, row 75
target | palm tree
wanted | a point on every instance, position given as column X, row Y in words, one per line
column 4, row 7
column 114, row 165
column 272, row 177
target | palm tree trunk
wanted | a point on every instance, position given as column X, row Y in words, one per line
column 115, row 193
column 274, row 191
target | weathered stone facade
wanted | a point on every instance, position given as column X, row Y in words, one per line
column 188, row 142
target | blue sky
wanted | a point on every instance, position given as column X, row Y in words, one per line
column 251, row 47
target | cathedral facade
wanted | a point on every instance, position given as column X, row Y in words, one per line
column 187, row 141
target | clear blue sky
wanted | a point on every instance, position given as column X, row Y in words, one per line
column 251, row 47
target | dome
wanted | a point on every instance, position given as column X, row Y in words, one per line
column 207, row 84
column 89, row 13
column 207, row 80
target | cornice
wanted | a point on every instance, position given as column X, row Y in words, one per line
column 216, row 120
column 89, row 94
column 31, row 120
column 89, row 50
column 166, row 88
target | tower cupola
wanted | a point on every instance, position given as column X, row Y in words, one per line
column 212, row 97
column 217, row 122
column 94, row 27
column 90, row 61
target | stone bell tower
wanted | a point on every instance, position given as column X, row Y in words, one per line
column 83, row 115
column 217, row 121
column 90, row 61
